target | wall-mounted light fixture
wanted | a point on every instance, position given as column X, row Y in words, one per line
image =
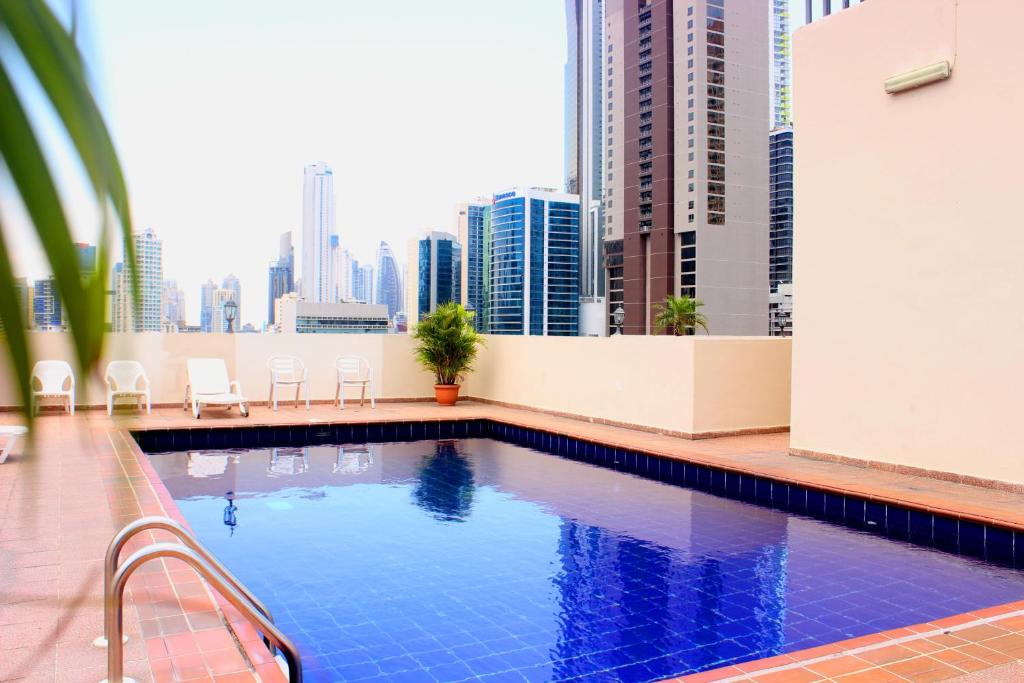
column 918, row 77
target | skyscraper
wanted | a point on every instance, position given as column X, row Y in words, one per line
column 281, row 277
column 362, row 282
column 782, row 105
column 232, row 284
column 584, row 133
column 474, row 221
column 173, row 304
column 435, row 267
column 686, row 200
column 206, row 306
column 86, row 258
column 46, row 305
column 341, row 272
column 145, row 312
column 389, row 280
column 534, row 263
column 317, row 228
column 780, row 257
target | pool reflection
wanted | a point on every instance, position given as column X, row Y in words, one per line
column 448, row 560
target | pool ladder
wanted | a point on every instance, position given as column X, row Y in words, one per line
column 191, row 552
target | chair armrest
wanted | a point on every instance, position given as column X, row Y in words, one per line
column 305, row 374
column 111, row 383
column 145, row 382
column 235, row 387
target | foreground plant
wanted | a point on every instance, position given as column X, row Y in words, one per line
column 679, row 315
column 30, row 33
column 447, row 345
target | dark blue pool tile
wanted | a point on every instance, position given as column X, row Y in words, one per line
column 835, row 507
column 693, row 475
column 732, row 484
column 897, row 523
column 999, row 545
column 946, row 533
column 718, row 481
column 816, row 503
column 748, row 488
column 972, row 538
column 854, row 512
column 763, row 490
column 780, row 495
column 874, row 516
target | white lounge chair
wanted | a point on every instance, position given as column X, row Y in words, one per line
column 127, row 378
column 8, row 437
column 53, row 379
column 208, row 384
column 353, row 371
column 288, row 371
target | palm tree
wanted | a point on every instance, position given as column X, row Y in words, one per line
column 32, row 35
column 680, row 315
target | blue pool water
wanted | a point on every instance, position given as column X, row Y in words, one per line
column 477, row 559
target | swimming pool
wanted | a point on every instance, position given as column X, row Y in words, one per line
column 474, row 558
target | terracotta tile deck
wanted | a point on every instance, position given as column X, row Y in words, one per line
column 59, row 510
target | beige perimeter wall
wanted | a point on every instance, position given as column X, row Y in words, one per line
column 692, row 385
column 909, row 268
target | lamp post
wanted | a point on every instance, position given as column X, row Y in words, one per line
column 618, row 317
column 230, row 311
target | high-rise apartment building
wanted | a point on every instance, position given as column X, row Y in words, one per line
column 340, row 288
column 281, row 276
column 218, row 320
column 47, row 311
column 206, row 306
column 362, row 283
column 780, row 154
column 173, row 305
column 144, row 312
column 584, row 132
column 389, row 281
column 474, row 228
column 781, row 90
column 317, row 228
column 435, row 273
column 686, row 200
column 24, row 294
column 534, row 263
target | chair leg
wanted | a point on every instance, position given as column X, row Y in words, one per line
column 110, row 404
column 298, row 388
column 71, row 403
column 362, row 394
column 270, row 394
column 373, row 399
column 149, row 404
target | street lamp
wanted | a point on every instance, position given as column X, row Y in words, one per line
column 618, row 317
column 230, row 311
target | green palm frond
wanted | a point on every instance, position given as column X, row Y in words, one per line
column 32, row 33
column 679, row 316
column 447, row 343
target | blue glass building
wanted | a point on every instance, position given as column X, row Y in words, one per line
column 534, row 263
column 474, row 236
column 437, row 265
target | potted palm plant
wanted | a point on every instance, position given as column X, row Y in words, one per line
column 447, row 346
column 679, row 315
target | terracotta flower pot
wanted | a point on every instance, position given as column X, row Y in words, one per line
column 446, row 394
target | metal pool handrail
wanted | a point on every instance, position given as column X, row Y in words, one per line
column 185, row 536
column 114, row 596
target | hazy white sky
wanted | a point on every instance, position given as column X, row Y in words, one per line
column 216, row 107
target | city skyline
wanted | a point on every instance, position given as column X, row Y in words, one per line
column 183, row 135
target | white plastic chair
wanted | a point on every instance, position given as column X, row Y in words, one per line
column 288, row 371
column 8, row 437
column 127, row 378
column 353, row 371
column 208, row 385
column 53, row 379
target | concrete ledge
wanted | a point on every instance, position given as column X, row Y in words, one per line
column 693, row 436
column 883, row 466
